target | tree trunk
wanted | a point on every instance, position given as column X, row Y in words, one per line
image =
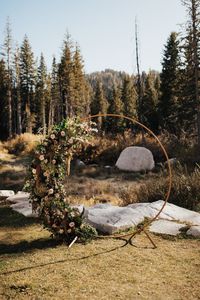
column 28, row 115
column 9, row 111
column 51, row 115
column 19, row 113
column 43, row 116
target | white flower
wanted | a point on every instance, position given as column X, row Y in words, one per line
column 46, row 173
column 51, row 191
column 54, row 161
column 34, row 171
column 94, row 129
column 52, row 136
column 62, row 133
column 46, row 161
column 41, row 157
column 69, row 230
column 71, row 224
column 70, row 141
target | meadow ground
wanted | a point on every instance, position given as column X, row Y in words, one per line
column 34, row 266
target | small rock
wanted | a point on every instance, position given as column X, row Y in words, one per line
column 173, row 162
column 194, row 231
column 79, row 163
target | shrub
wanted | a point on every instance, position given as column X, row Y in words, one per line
column 22, row 144
column 185, row 189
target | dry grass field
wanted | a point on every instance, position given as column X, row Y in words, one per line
column 34, row 266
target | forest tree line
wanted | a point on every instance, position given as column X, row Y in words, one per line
column 32, row 99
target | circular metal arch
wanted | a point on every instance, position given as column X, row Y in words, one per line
column 168, row 165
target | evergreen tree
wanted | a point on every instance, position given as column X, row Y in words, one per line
column 129, row 98
column 150, row 101
column 3, row 101
column 17, row 91
column 66, row 78
column 27, row 80
column 81, row 97
column 116, row 106
column 99, row 105
column 55, row 107
column 7, row 47
column 190, row 108
column 41, row 99
column 168, row 102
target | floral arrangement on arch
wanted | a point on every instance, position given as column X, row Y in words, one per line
column 46, row 177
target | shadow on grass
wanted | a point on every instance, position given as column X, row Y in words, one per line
column 10, row 218
column 47, row 243
column 55, row 243
column 25, row 246
column 12, row 180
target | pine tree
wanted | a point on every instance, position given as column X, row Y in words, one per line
column 129, row 98
column 116, row 106
column 99, row 105
column 3, row 101
column 17, row 90
column 7, row 47
column 191, row 78
column 55, row 113
column 81, row 97
column 41, row 88
column 27, row 79
column 150, row 101
column 66, row 78
column 168, row 102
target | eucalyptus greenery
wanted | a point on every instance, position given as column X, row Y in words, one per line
column 45, row 181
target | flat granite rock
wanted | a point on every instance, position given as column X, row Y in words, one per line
column 176, row 213
column 19, row 197
column 166, row 227
column 6, row 193
column 110, row 219
column 21, row 204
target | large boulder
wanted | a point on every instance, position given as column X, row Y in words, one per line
column 135, row 159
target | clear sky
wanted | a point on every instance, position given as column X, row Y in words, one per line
column 104, row 29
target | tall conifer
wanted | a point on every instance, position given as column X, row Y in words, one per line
column 27, row 79
column 168, row 102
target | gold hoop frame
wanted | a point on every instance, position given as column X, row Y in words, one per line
column 138, row 230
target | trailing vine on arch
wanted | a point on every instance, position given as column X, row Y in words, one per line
column 46, row 180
